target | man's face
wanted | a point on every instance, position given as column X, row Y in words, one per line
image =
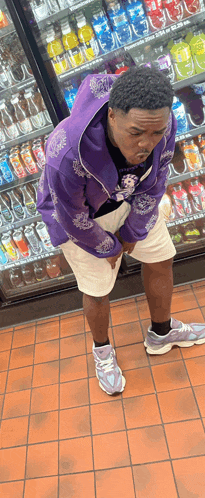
column 138, row 132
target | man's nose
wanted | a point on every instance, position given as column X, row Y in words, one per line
column 145, row 143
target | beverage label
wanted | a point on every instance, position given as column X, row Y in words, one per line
column 25, row 126
column 29, row 162
column 183, row 54
column 10, row 249
column 18, row 168
column 38, row 121
column 19, row 212
column 31, row 208
column 12, row 131
column 39, row 154
column 6, row 214
column 60, row 64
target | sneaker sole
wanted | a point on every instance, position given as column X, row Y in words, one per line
column 168, row 347
column 115, row 392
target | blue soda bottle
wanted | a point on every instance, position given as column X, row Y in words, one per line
column 137, row 18
column 120, row 23
column 5, row 169
column 70, row 93
column 3, row 258
column 180, row 115
column 105, row 36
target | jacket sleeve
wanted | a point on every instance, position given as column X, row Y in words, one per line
column 72, row 213
column 144, row 208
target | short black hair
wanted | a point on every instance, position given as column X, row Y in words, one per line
column 141, row 88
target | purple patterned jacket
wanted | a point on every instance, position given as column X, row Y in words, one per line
column 80, row 176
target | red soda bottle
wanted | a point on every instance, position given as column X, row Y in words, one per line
column 192, row 6
column 197, row 191
column 174, row 10
column 181, row 201
column 155, row 14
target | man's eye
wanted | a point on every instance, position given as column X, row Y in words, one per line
column 159, row 132
column 135, row 134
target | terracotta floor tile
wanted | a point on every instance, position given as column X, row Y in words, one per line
column 193, row 351
column 170, row 376
column 133, row 356
column 11, row 489
column 77, row 485
column 46, row 373
column 75, row 455
column 5, row 342
column 190, row 477
column 4, row 360
column 3, row 376
column 200, row 283
column 24, row 337
column 89, row 340
column 73, row 368
column 183, row 301
column 111, row 451
column 200, row 295
column 203, row 311
column 74, row 394
column 121, row 302
column 25, row 325
column 47, row 332
column 190, row 316
column 16, row 404
column 43, row 427
column 74, row 422
column 3, row 331
column 196, row 370
column 13, row 432
column 147, row 444
column 70, row 314
column 154, row 480
column 138, row 382
column 41, row 488
column 126, row 334
column 200, row 396
column 97, row 395
column 178, row 405
column 141, row 411
column 42, row 460
column 1, row 404
column 12, row 464
column 47, row 351
column 173, row 355
column 72, row 346
column 107, row 417
column 22, row 357
column 179, row 288
column 145, row 324
column 125, row 313
column 115, row 483
column 185, row 438
column 45, row 399
column 72, row 326
column 49, row 320
column 143, row 309
column 19, row 379
column 91, row 365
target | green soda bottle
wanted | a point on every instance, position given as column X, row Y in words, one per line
column 197, row 44
column 182, row 59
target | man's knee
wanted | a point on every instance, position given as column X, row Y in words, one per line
column 99, row 299
column 159, row 267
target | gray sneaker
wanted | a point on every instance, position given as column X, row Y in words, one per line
column 107, row 371
column 182, row 334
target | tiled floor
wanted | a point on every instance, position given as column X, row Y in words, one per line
column 62, row 437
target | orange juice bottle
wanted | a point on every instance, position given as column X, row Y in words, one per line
column 3, row 20
column 192, row 155
column 71, row 45
column 56, row 52
column 87, row 38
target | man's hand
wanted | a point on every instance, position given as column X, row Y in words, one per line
column 114, row 259
column 126, row 246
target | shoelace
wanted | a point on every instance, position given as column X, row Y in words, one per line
column 185, row 328
column 106, row 365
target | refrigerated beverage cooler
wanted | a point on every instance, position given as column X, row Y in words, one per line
column 47, row 48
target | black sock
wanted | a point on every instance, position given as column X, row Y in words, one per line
column 100, row 344
column 161, row 328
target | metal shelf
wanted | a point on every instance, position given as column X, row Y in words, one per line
column 191, row 133
column 186, row 176
column 82, row 67
column 17, row 87
column 30, row 136
column 19, row 181
column 17, row 224
column 192, row 217
column 8, row 30
column 30, row 259
column 196, row 78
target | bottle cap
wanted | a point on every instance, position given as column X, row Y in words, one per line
column 65, row 27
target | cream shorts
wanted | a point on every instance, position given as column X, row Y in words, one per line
column 95, row 276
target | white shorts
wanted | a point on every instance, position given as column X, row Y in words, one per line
column 95, row 276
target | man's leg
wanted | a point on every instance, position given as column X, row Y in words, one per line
column 97, row 310
column 158, row 283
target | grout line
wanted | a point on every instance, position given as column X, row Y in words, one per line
column 193, row 392
column 6, row 383
column 128, row 444
column 59, row 383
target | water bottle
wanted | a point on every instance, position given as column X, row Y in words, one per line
column 180, row 115
column 137, row 18
column 120, row 23
column 105, row 36
column 70, row 93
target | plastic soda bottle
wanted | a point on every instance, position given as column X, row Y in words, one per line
column 24, row 123
column 163, row 62
column 105, row 36
column 40, row 9
column 40, row 272
column 197, row 44
column 180, row 115
column 181, row 201
column 15, row 277
column 197, row 191
column 192, row 6
column 28, row 274
column 87, row 38
column 17, row 163
column 6, row 214
column 7, row 120
column 28, row 201
column 10, row 246
column 71, row 45
column 174, row 10
column 70, row 94
column 3, row 258
column 137, row 18
column 56, row 52
column 33, row 239
column 5, row 169
column 21, row 243
column 155, row 14
column 182, row 59
column 39, row 154
column 37, row 117
column 26, row 155
column 16, row 206
column 192, row 155
column 120, row 23
column 52, row 268
column 44, row 235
